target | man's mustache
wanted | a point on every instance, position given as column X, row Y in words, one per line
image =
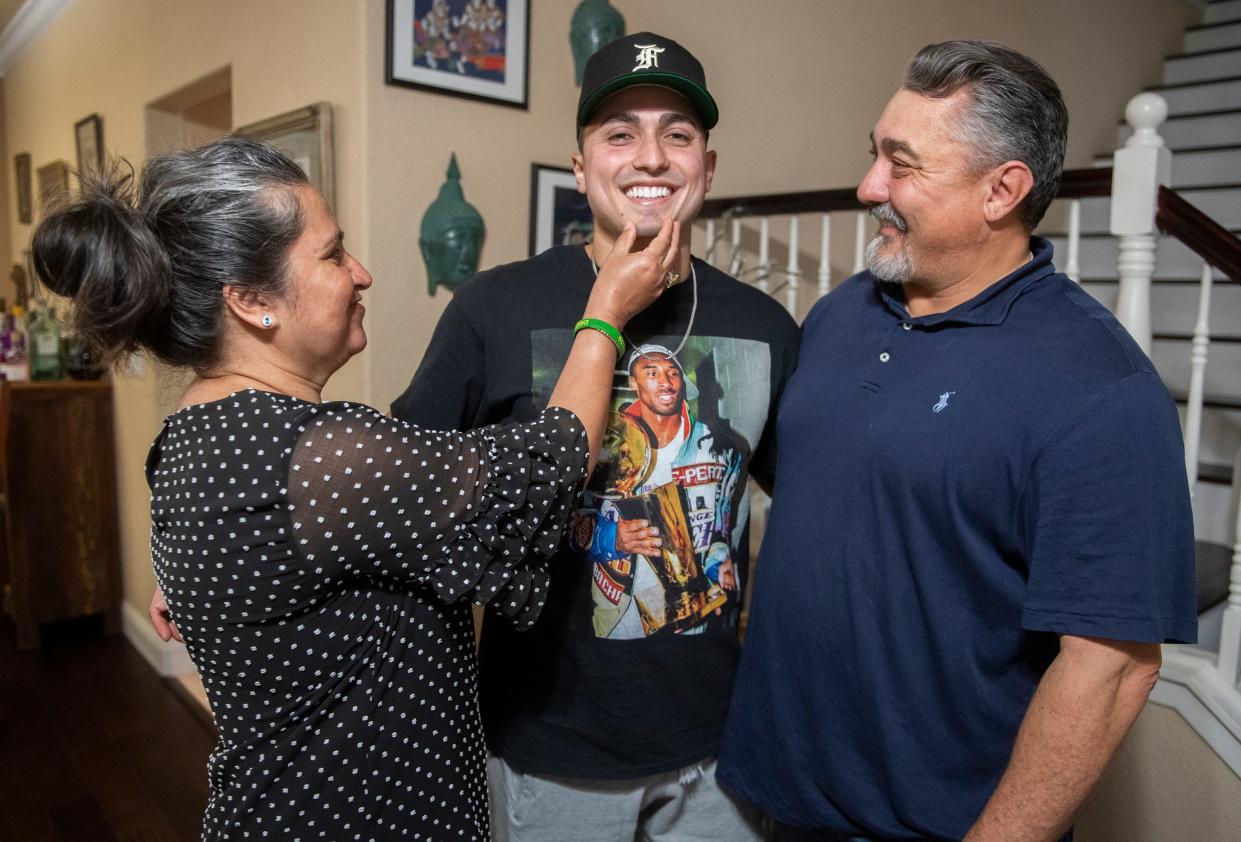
column 887, row 214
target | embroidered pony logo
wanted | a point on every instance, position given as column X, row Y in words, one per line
column 942, row 403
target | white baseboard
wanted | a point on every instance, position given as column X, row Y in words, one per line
column 168, row 659
column 1190, row 684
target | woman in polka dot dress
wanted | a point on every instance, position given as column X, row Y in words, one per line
column 319, row 558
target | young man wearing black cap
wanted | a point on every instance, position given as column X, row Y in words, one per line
column 608, row 730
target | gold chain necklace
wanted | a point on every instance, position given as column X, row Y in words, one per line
column 693, row 311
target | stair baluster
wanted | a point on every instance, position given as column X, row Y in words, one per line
column 825, row 263
column 734, row 265
column 764, row 254
column 1072, row 267
column 859, row 244
column 1198, row 365
column 791, row 270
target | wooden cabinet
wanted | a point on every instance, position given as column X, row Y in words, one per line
column 62, row 557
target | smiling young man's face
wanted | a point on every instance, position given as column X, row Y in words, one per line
column 644, row 158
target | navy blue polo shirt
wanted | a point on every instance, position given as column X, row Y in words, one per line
column 952, row 493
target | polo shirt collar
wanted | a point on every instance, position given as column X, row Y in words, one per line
column 989, row 307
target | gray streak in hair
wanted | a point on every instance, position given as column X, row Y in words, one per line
column 1014, row 111
column 148, row 271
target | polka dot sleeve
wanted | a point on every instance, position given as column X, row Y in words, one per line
column 465, row 514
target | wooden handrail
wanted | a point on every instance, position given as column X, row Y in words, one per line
column 1204, row 236
column 772, row 204
column 1086, row 182
column 1074, row 184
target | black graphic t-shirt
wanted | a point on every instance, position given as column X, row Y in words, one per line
column 630, row 668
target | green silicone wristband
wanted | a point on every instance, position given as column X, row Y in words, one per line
column 604, row 328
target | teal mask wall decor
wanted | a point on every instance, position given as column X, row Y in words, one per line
column 451, row 236
column 595, row 23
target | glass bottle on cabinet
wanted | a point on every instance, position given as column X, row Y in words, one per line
column 44, row 338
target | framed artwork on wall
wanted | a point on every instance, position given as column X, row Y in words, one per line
column 559, row 215
column 88, row 133
column 305, row 136
column 22, row 174
column 53, row 184
column 477, row 49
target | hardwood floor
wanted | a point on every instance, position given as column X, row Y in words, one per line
column 94, row 746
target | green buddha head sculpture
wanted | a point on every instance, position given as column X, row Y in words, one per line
column 595, row 23
column 451, row 236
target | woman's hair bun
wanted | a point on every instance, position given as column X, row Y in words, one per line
column 97, row 249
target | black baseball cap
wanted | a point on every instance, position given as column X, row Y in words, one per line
column 645, row 58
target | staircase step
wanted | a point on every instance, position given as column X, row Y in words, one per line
column 1174, row 307
column 1221, row 203
column 1222, row 378
column 1212, row 568
column 1197, row 129
column 1213, row 166
column 1212, row 36
column 1182, row 336
column 1217, row 12
column 1215, row 519
column 1201, row 96
column 1218, row 474
column 1213, row 401
column 1219, row 442
column 1202, row 65
column 1192, row 168
column 1098, row 257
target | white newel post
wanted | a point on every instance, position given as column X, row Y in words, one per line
column 1137, row 171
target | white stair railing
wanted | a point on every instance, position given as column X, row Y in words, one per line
column 742, row 243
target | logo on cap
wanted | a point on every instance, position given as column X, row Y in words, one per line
column 648, row 56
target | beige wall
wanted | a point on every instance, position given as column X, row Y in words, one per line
column 799, row 83
column 114, row 58
column 1165, row 784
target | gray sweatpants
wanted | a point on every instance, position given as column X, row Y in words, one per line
column 684, row 805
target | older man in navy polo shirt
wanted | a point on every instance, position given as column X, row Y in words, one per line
column 981, row 530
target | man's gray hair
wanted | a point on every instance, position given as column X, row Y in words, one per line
column 1015, row 111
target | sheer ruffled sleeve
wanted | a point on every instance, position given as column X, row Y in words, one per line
column 475, row 513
